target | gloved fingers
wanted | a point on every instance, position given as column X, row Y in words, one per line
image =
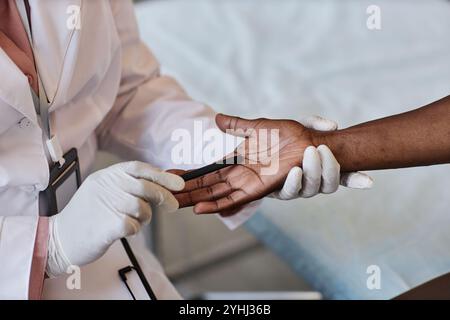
column 292, row 185
column 128, row 209
column 312, row 173
column 330, row 170
column 318, row 123
column 142, row 170
column 356, row 180
column 159, row 198
column 132, row 227
column 137, row 208
column 145, row 212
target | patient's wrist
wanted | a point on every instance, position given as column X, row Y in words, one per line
column 339, row 143
column 322, row 137
column 348, row 147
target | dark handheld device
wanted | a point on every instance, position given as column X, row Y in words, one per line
column 194, row 174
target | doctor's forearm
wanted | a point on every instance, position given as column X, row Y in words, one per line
column 417, row 138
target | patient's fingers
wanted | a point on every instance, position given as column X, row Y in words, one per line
column 214, row 192
column 312, row 173
column 235, row 199
column 230, row 212
column 225, row 122
column 330, row 170
column 207, row 180
column 178, row 172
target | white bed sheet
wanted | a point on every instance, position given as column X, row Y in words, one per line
column 290, row 58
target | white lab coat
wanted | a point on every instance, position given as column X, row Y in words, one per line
column 106, row 92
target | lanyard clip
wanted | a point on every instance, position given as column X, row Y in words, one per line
column 55, row 151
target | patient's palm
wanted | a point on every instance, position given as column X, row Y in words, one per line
column 267, row 161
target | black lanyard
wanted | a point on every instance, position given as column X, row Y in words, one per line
column 137, row 268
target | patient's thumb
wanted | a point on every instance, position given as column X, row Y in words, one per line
column 235, row 126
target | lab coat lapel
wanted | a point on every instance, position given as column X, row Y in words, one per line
column 53, row 38
column 15, row 90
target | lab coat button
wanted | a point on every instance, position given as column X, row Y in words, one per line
column 24, row 123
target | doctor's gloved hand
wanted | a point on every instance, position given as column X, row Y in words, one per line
column 111, row 204
column 320, row 171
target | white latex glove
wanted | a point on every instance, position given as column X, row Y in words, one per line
column 321, row 171
column 111, row 204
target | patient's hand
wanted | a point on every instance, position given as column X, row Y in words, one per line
column 270, row 150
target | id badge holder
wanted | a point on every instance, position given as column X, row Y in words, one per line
column 64, row 182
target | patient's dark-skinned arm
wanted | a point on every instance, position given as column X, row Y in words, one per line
column 417, row 138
